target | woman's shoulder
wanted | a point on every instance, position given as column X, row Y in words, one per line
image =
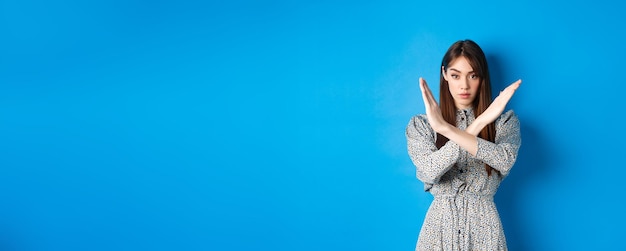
column 419, row 122
column 508, row 117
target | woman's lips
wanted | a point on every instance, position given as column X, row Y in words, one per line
column 464, row 95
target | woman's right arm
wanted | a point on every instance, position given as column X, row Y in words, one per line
column 431, row 163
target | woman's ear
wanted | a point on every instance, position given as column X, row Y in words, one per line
column 443, row 73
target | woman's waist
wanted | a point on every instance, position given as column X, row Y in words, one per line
column 459, row 188
column 466, row 194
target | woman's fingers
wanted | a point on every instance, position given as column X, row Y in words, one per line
column 427, row 95
column 424, row 89
column 516, row 84
column 513, row 87
column 508, row 92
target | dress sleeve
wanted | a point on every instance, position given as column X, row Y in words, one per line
column 431, row 163
column 502, row 154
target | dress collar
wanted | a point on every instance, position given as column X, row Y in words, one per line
column 469, row 110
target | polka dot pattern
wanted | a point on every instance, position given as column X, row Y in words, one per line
column 463, row 215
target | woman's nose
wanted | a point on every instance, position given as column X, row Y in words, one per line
column 464, row 84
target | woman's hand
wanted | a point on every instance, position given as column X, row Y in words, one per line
column 433, row 113
column 499, row 103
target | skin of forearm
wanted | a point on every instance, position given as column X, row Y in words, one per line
column 476, row 126
column 464, row 139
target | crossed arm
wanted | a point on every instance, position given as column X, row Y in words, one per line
column 465, row 139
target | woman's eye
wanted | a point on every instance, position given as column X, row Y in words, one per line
column 473, row 77
column 454, row 76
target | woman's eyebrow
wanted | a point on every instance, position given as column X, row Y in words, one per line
column 452, row 69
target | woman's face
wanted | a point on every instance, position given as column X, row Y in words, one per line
column 463, row 82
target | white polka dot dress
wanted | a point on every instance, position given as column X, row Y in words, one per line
column 463, row 215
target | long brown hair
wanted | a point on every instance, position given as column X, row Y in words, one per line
column 476, row 58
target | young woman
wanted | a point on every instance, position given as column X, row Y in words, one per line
column 462, row 149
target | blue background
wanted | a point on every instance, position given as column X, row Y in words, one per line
column 190, row 125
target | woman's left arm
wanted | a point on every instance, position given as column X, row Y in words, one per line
column 502, row 154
